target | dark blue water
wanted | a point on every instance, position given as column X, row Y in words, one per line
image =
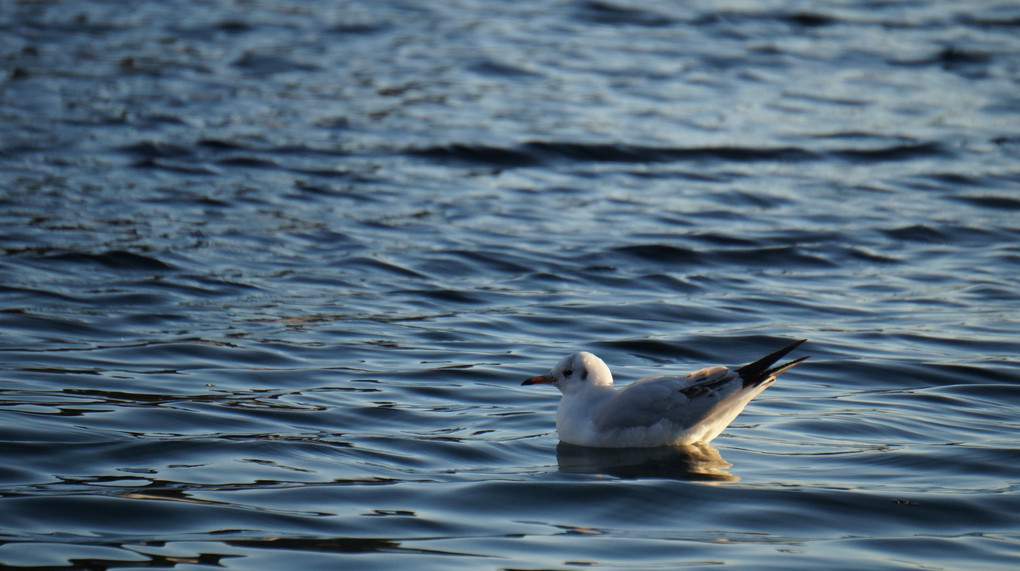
column 272, row 273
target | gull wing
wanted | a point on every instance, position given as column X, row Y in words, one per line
column 682, row 400
column 680, row 410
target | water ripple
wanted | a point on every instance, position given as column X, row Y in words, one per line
column 271, row 276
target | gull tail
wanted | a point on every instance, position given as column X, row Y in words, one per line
column 759, row 371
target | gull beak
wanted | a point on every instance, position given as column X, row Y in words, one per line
column 540, row 380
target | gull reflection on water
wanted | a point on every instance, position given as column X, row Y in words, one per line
column 693, row 462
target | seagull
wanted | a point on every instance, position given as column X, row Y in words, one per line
column 654, row 411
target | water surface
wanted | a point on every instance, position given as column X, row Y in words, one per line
column 272, row 274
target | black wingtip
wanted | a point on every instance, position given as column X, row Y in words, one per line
column 760, row 370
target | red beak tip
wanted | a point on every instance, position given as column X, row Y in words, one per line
column 539, row 380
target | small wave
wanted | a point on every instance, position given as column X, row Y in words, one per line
column 543, row 152
column 612, row 14
column 224, row 145
column 781, row 256
column 991, row 202
column 916, row 233
column 262, row 64
column 248, row 161
column 662, row 253
column 537, row 153
column 117, row 259
column 478, row 154
column 893, row 153
column 157, row 150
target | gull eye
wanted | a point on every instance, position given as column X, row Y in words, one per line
column 567, row 373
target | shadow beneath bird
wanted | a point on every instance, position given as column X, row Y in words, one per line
column 692, row 462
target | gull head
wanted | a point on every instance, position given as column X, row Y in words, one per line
column 576, row 373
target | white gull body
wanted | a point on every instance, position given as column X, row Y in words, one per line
column 654, row 411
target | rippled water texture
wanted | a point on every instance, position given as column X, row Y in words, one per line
column 272, row 274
